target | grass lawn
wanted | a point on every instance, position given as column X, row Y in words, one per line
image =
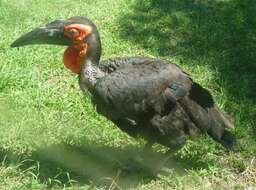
column 52, row 138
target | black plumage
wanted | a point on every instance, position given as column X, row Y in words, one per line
column 157, row 100
column 146, row 97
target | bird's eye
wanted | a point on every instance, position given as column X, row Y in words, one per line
column 76, row 32
column 73, row 32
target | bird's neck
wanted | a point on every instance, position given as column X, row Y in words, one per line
column 90, row 74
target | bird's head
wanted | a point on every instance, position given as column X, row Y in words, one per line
column 78, row 33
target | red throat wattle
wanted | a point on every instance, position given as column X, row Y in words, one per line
column 74, row 55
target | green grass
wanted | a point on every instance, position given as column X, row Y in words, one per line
column 52, row 138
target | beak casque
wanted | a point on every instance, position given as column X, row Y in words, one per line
column 52, row 33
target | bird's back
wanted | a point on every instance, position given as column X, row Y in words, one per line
column 135, row 87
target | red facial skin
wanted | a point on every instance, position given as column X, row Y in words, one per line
column 74, row 55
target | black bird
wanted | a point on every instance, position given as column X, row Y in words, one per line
column 145, row 97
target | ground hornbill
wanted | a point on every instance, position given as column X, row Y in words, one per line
column 145, row 97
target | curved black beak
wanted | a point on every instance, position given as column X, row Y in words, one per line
column 52, row 33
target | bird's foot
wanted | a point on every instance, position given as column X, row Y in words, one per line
column 152, row 166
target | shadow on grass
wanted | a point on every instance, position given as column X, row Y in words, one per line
column 98, row 166
column 218, row 34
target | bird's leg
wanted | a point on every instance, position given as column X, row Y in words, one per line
column 162, row 163
column 144, row 153
column 154, row 164
column 148, row 147
column 143, row 160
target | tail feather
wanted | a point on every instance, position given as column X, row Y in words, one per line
column 200, row 107
column 218, row 128
column 228, row 140
column 227, row 120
